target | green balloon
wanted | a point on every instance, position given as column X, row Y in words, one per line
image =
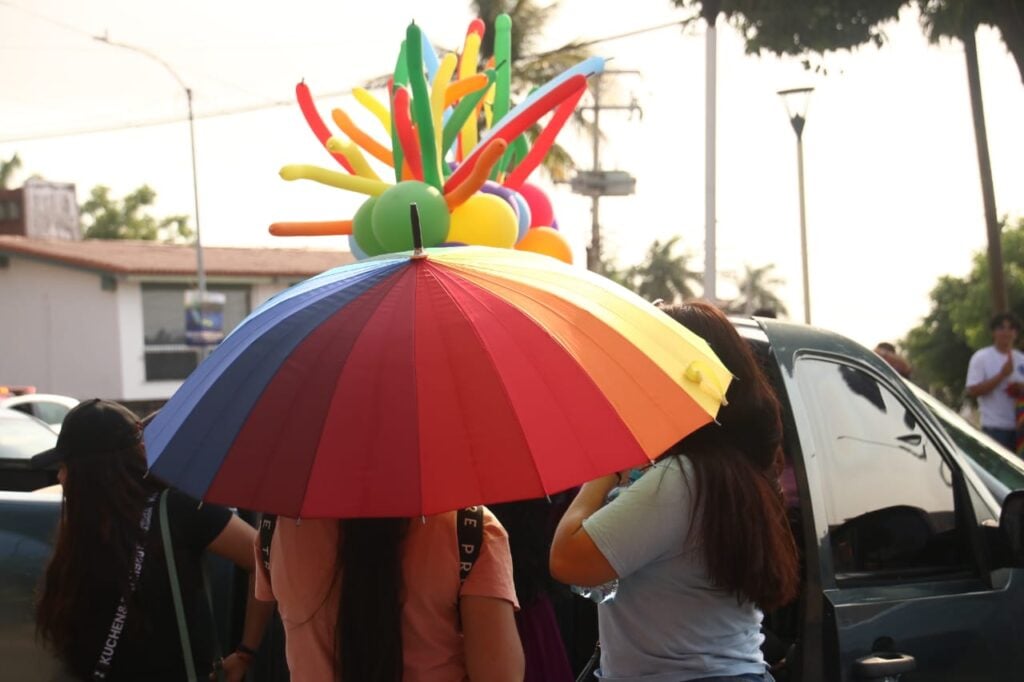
column 392, row 224
column 362, row 229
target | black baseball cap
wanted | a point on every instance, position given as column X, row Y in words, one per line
column 93, row 427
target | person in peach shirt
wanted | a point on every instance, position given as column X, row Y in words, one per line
column 381, row 600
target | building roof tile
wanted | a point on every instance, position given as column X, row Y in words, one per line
column 124, row 257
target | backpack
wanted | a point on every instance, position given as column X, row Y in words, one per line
column 469, row 531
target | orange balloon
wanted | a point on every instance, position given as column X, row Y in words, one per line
column 548, row 241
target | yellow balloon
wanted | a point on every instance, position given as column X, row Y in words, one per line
column 548, row 241
column 484, row 219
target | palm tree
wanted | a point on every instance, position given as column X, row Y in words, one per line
column 8, row 169
column 664, row 274
column 756, row 290
column 531, row 69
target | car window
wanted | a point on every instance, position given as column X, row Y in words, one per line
column 1001, row 471
column 889, row 493
column 49, row 411
column 22, row 438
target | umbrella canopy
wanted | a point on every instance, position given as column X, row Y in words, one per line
column 415, row 384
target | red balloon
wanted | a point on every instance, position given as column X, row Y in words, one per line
column 541, row 213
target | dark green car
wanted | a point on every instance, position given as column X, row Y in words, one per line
column 908, row 570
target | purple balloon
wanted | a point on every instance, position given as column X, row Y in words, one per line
column 491, row 187
column 554, row 223
column 524, row 215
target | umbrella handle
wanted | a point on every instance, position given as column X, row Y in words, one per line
column 694, row 374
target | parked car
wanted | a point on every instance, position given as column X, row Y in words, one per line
column 1001, row 470
column 47, row 407
column 906, row 568
column 22, row 436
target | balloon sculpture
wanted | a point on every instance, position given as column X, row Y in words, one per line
column 470, row 188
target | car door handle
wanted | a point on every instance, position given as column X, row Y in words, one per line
column 910, row 438
column 883, row 665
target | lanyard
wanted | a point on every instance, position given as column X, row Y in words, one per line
column 121, row 613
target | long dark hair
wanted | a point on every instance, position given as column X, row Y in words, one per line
column 530, row 526
column 104, row 496
column 368, row 633
column 741, row 519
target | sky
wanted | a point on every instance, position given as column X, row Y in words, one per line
column 893, row 198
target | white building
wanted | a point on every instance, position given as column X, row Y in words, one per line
column 106, row 318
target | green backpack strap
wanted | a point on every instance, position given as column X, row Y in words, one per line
column 179, row 607
column 214, row 637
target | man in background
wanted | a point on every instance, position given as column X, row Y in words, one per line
column 995, row 376
column 887, row 351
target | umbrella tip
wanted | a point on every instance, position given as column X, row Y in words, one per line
column 417, row 231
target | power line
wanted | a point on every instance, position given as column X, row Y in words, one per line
column 617, row 36
column 149, row 123
column 274, row 104
column 49, row 20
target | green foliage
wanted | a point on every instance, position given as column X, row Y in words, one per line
column 8, row 169
column 950, row 18
column 794, row 27
column 957, row 325
column 611, row 269
column 109, row 218
column 529, row 69
column 805, row 27
column 663, row 274
column 756, row 287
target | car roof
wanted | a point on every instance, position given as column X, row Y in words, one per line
column 39, row 397
column 788, row 340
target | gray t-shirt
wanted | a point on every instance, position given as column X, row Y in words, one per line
column 667, row 622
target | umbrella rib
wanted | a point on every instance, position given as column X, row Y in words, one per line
column 390, row 283
column 475, row 291
column 440, row 276
column 499, row 283
column 494, row 273
column 333, row 288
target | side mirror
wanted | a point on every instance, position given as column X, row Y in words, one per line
column 1011, row 526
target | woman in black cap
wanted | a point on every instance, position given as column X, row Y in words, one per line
column 107, row 608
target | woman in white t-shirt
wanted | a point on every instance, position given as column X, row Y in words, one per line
column 700, row 545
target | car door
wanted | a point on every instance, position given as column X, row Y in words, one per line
column 902, row 568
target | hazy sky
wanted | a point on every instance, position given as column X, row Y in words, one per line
column 893, row 197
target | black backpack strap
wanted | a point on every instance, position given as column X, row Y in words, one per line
column 268, row 522
column 469, row 527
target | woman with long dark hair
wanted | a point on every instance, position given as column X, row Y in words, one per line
column 106, row 606
column 383, row 600
column 530, row 525
column 700, row 544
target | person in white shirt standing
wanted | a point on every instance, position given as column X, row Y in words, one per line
column 995, row 375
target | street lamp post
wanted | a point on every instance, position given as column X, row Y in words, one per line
column 596, row 183
column 796, row 100
column 200, row 269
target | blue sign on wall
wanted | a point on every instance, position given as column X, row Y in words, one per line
column 204, row 318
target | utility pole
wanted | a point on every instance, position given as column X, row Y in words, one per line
column 597, row 183
column 710, row 10
column 200, row 268
column 993, row 229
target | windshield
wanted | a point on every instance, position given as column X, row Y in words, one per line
column 1001, row 470
column 21, row 437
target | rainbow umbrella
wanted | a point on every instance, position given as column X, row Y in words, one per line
column 422, row 382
